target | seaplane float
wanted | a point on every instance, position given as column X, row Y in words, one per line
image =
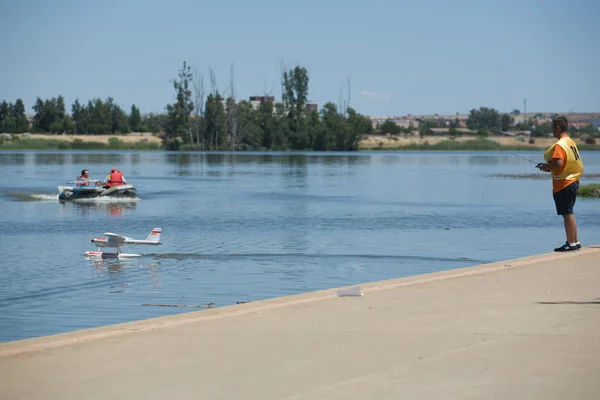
column 110, row 245
column 94, row 188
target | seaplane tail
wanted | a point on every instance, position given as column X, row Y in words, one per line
column 154, row 236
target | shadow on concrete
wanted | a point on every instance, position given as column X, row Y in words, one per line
column 595, row 301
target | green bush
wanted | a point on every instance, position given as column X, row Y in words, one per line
column 77, row 144
column 591, row 190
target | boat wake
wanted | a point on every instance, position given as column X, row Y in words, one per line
column 40, row 197
column 46, row 197
column 106, row 200
column 223, row 256
column 43, row 197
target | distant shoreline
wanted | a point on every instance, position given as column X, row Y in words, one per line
column 367, row 143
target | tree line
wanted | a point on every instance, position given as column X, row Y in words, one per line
column 487, row 120
column 95, row 118
column 205, row 118
column 202, row 119
column 208, row 119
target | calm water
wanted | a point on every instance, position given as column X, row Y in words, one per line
column 244, row 227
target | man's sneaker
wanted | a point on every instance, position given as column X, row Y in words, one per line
column 578, row 246
column 567, row 247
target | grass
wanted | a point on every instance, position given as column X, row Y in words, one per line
column 590, row 190
column 478, row 144
column 114, row 143
column 450, row 145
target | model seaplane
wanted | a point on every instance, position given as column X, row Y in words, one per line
column 110, row 246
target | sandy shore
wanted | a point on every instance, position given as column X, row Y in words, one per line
column 393, row 142
column 99, row 138
column 525, row 328
column 382, row 142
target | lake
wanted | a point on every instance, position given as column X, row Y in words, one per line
column 242, row 227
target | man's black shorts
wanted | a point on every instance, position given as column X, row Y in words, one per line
column 565, row 199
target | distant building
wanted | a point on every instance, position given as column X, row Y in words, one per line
column 310, row 106
column 402, row 122
column 256, row 101
column 595, row 122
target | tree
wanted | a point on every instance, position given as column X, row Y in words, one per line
column 516, row 111
column 453, row 132
column 506, row 122
column 154, row 123
column 295, row 97
column 17, row 112
column 81, row 117
column 135, row 118
column 60, row 106
column 213, row 127
column 100, row 117
column 251, row 134
column 178, row 125
column 198, row 80
column 359, row 123
column 231, row 108
column 49, row 115
column 4, row 110
column 390, row 127
column 485, row 118
column 542, row 130
column 120, row 121
column 12, row 117
column 215, row 119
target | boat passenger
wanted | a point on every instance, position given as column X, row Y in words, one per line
column 84, row 178
column 115, row 178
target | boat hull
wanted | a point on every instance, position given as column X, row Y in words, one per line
column 66, row 193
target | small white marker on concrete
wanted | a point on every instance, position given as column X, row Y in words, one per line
column 352, row 291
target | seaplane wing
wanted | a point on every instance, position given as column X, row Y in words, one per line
column 114, row 239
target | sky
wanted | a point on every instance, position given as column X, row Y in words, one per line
column 400, row 57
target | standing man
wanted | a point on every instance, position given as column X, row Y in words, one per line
column 564, row 163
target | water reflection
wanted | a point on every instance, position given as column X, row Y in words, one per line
column 108, row 265
column 75, row 158
column 112, row 208
column 283, row 159
column 490, row 159
column 135, row 158
column 127, row 270
column 12, row 159
column 49, row 159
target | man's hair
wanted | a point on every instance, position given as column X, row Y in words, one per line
column 83, row 171
column 562, row 123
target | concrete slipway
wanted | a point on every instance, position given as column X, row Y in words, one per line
column 519, row 329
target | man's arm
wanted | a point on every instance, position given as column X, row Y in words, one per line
column 556, row 163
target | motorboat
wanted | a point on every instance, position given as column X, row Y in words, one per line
column 93, row 188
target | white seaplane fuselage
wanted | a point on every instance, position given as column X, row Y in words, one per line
column 110, row 246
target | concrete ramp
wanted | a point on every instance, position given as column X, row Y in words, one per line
column 519, row 329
